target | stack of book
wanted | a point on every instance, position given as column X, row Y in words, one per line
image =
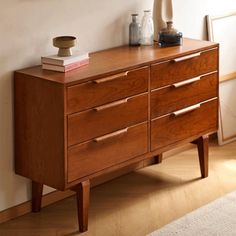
column 65, row 64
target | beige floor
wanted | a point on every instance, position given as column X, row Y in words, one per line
column 141, row 202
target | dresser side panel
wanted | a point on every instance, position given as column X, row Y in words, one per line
column 39, row 130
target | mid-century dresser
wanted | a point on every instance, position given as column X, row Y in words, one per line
column 129, row 104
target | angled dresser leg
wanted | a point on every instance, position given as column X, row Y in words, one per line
column 82, row 194
column 158, row 158
column 202, row 146
column 37, row 191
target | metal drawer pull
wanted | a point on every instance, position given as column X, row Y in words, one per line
column 187, row 57
column 187, row 109
column 105, row 137
column 109, row 78
column 186, row 82
column 113, row 104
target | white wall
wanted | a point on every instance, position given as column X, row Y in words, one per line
column 189, row 15
column 26, row 30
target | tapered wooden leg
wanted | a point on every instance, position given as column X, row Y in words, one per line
column 82, row 193
column 158, row 159
column 37, row 191
column 202, row 146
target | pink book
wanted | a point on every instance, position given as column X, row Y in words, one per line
column 65, row 68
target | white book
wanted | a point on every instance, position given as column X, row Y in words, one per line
column 65, row 68
column 63, row 61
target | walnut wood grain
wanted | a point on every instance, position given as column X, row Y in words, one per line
column 158, row 158
column 39, row 130
column 202, row 146
column 82, row 195
column 37, row 191
column 90, row 94
column 169, row 99
column 92, row 123
column 104, row 104
column 169, row 72
column 120, row 59
column 101, row 155
column 143, row 157
column 170, row 129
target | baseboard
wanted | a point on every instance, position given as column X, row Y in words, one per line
column 24, row 208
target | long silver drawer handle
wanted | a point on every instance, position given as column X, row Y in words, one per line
column 186, row 82
column 113, row 104
column 187, row 57
column 187, row 109
column 108, row 136
column 109, row 78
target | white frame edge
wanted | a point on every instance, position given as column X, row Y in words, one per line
column 209, row 19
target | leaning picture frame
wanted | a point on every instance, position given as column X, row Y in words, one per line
column 221, row 29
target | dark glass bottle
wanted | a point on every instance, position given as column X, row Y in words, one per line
column 170, row 36
column 134, row 31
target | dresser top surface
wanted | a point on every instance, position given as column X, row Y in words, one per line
column 119, row 59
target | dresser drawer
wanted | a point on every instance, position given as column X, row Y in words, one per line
column 183, row 68
column 183, row 94
column 103, row 152
column 176, row 127
column 107, row 118
column 101, row 91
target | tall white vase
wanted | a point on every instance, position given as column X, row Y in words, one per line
column 162, row 12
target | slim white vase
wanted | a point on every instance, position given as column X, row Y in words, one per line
column 147, row 30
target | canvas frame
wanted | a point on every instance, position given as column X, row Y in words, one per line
column 224, row 78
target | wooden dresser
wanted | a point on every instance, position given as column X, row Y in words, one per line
column 129, row 104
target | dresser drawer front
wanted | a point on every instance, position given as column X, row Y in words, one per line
column 169, row 99
column 98, row 92
column 106, row 119
column 172, row 71
column 90, row 157
column 170, row 129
